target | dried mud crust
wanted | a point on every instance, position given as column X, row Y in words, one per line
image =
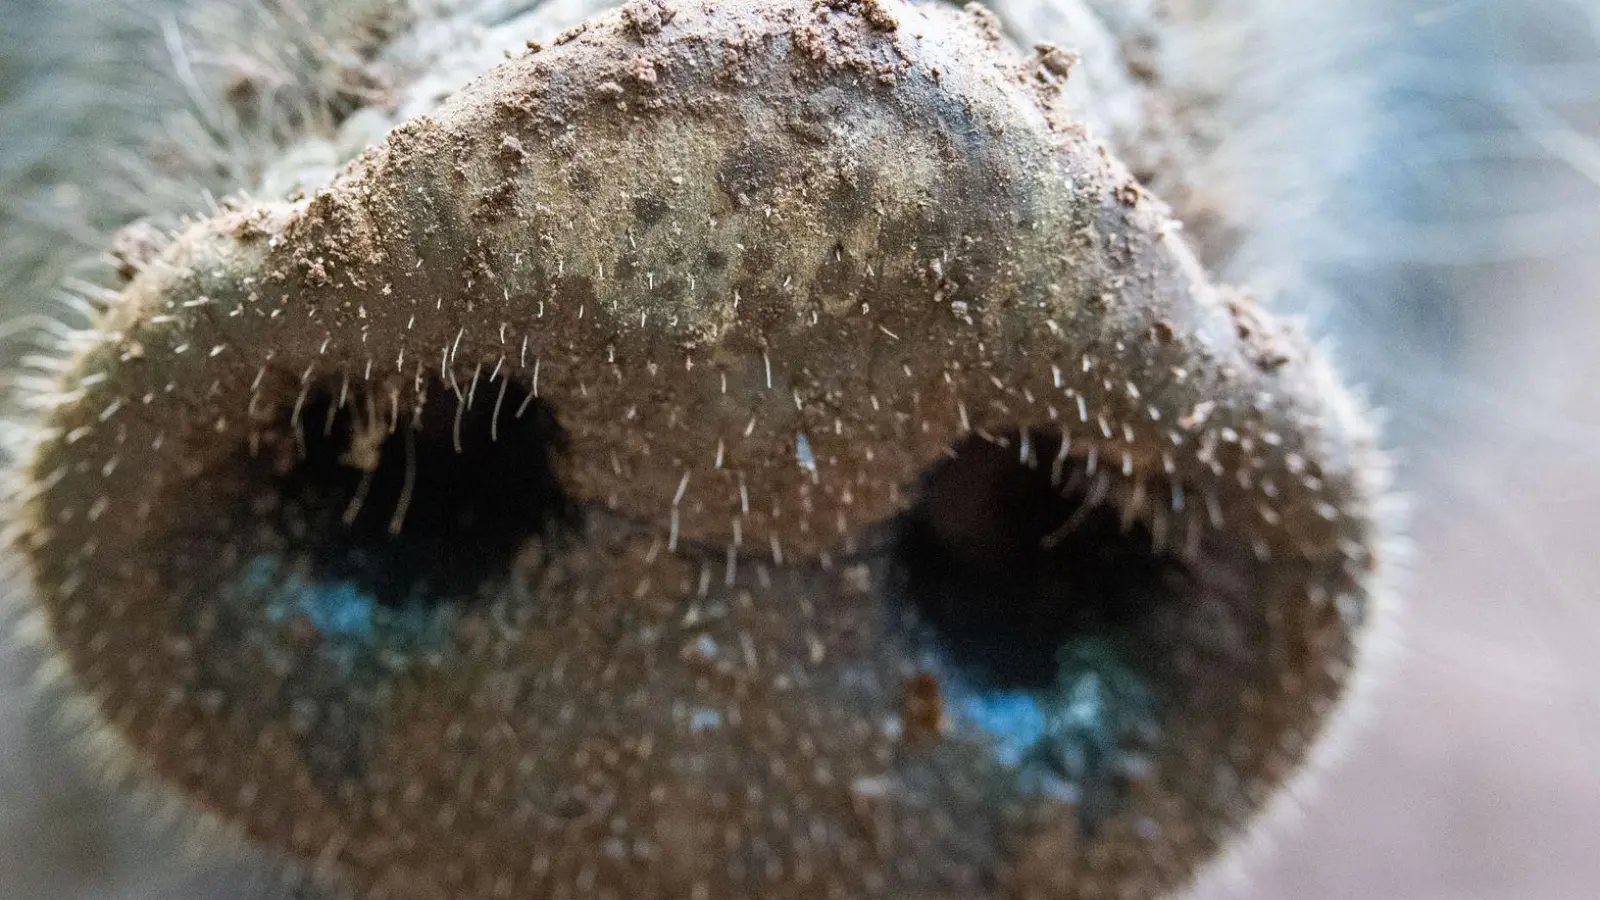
column 910, row 203
column 764, row 265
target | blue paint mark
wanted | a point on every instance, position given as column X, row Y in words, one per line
column 803, row 453
column 353, row 624
column 703, row 718
column 1071, row 740
column 1016, row 720
column 338, row 609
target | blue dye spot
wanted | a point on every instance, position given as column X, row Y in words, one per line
column 803, row 453
column 1075, row 739
column 351, row 622
column 703, row 718
column 1015, row 720
column 338, row 610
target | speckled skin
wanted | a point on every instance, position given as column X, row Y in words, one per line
column 765, row 263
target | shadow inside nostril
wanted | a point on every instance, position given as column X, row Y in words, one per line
column 337, row 553
column 1042, row 609
column 1011, row 561
column 403, row 505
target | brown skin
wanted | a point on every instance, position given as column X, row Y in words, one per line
column 696, row 235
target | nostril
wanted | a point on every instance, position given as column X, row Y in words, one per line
column 334, row 551
column 413, row 501
column 1010, row 559
column 1100, row 638
column 368, row 519
column 1040, row 603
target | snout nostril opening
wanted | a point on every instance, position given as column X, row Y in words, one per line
column 420, row 502
column 1045, row 610
column 1010, row 556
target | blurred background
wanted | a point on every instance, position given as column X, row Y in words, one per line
column 1464, row 261
column 1478, row 779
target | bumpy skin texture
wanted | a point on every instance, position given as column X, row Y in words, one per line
column 751, row 271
